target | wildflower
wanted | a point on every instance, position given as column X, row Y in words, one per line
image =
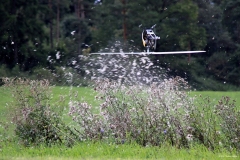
column 189, row 137
column 190, row 129
column 101, row 130
column 138, row 131
column 112, row 126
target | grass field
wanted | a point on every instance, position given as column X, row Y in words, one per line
column 97, row 151
column 216, row 95
column 89, row 150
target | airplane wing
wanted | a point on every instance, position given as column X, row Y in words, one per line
column 149, row 53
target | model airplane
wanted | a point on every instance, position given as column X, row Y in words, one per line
column 149, row 40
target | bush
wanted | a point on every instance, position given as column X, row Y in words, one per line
column 229, row 117
column 41, row 74
column 60, row 76
column 36, row 120
column 148, row 115
column 4, row 71
column 157, row 114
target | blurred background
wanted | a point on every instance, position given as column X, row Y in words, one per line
column 49, row 38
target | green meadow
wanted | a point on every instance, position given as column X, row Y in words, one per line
column 11, row 149
column 97, row 151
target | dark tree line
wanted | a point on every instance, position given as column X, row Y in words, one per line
column 32, row 32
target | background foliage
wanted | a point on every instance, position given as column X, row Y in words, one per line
column 47, row 34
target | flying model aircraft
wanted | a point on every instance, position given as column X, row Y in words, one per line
column 149, row 40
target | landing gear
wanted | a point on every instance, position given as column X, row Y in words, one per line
column 148, row 48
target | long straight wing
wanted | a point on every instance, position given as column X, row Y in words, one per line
column 146, row 53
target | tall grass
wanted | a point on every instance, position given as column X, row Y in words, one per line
column 163, row 117
column 36, row 120
column 157, row 114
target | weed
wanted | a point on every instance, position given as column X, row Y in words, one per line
column 157, row 114
column 35, row 119
column 150, row 115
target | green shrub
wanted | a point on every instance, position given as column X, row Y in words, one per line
column 149, row 115
column 42, row 73
column 4, row 71
column 36, row 120
column 60, row 76
column 229, row 118
column 157, row 114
